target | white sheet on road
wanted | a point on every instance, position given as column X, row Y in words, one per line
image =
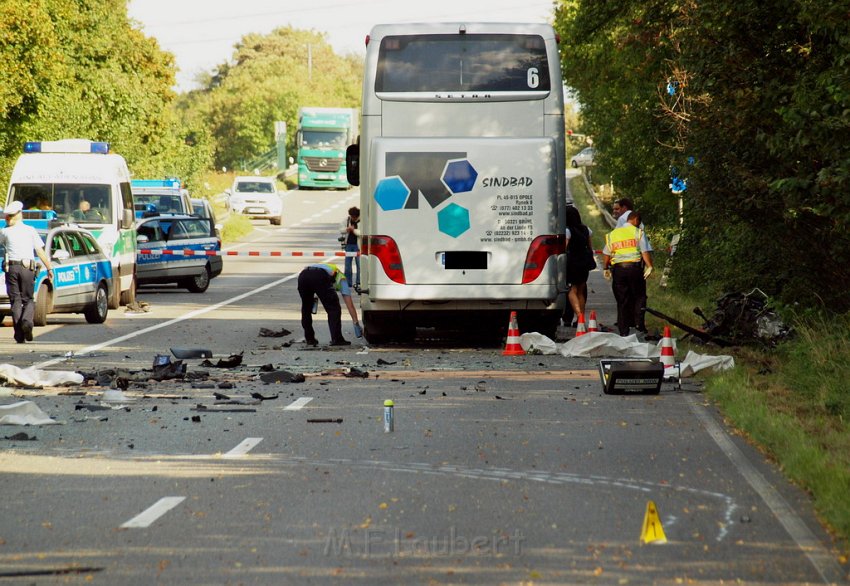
column 24, row 413
column 36, row 377
column 608, row 344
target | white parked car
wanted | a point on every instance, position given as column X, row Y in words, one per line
column 256, row 197
column 584, row 158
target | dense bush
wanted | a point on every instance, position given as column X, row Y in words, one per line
column 750, row 102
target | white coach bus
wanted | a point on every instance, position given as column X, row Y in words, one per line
column 460, row 164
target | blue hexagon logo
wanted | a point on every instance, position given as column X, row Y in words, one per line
column 453, row 220
column 391, row 193
column 459, row 176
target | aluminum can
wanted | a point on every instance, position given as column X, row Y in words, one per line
column 389, row 423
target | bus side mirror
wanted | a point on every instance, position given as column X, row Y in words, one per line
column 128, row 217
column 352, row 164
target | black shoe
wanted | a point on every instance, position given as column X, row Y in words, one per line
column 26, row 328
column 340, row 343
column 311, row 342
column 19, row 338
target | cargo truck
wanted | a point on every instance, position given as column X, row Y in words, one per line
column 322, row 137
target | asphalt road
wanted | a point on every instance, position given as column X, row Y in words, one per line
column 501, row 470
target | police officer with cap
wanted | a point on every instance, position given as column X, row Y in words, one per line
column 323, row 280
column 21, row 241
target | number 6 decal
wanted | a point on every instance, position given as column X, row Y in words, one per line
column 533, row 78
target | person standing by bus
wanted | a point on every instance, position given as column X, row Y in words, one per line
column 323, row 281
column 627, row 257
column 19, row 263
column 351, row 243
column 580, row 260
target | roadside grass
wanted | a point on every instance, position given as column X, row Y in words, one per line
column 793, row 401
column 236, row 227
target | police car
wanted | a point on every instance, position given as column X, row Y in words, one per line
column 82, row 273
column 162, row 242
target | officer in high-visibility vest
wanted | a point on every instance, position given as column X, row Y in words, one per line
column 626, row 255
column 323, row 281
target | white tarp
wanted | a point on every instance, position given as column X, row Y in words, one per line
column 694, row 362
column 24, row 413
column 608, row 344
column 35, row 377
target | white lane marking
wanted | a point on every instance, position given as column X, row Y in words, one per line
column 820, row 557
column 184, row 317
column 154, row 512
column 726, row 502
column 187, row 316
column 243, row 448
column 297, row 404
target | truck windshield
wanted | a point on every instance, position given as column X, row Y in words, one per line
column 85, row 203
column 462, row 63
column 317, row 139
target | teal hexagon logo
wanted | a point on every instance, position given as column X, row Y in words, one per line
column 391, row 193
column 460, row 176
column 453, row 220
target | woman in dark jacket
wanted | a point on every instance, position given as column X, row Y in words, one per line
column 580, row 260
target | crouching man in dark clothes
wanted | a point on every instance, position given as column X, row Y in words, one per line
column 323, row 281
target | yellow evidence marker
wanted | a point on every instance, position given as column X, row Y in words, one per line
column 652, row 531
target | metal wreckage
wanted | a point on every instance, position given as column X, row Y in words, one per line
column 739, row 319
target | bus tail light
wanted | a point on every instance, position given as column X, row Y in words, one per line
column 539, row 251
column 387, row 252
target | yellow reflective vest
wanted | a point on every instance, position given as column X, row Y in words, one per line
column 624, row 244
column 338, row 275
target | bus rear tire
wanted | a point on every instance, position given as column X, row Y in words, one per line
column 383, row 327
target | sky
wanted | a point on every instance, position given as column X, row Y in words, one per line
column 201, row 33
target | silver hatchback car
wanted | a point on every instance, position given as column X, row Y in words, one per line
column 584, row 158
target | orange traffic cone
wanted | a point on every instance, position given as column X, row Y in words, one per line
column 512, row 345
column 581, row 328
column 668, row 358
column 591, row 323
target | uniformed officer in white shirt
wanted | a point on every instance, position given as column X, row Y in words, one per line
column 21, row 242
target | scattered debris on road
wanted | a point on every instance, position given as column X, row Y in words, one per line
column 267, row 333
column 186, row 353
column 282, row 376
column 231, row 361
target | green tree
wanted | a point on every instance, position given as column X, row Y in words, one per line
column 268, row 78
column 756, row 95
column 80, row 69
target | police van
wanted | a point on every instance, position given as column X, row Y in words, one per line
column 160, row 196
column 461, row 167
column 84, row 184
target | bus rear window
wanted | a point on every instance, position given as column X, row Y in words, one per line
column 462, row 63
